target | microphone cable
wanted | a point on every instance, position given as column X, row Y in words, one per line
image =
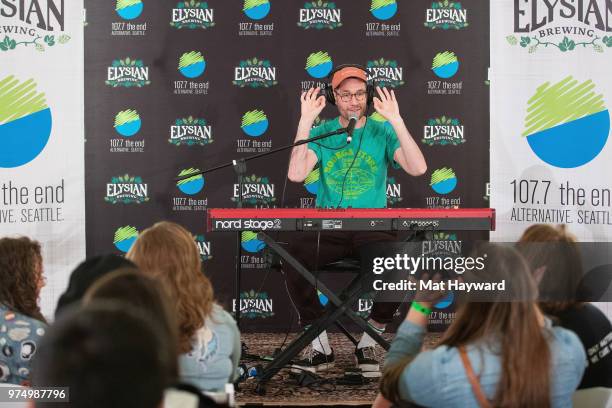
column 353, row 162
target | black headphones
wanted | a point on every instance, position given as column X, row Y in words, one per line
column 329, row 92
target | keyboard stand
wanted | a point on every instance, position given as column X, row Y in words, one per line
column 337, row 306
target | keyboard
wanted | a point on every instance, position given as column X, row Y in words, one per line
column 350, row 219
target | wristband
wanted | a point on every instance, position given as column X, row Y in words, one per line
column 420, row 308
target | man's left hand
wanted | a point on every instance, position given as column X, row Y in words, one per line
column 386, row 104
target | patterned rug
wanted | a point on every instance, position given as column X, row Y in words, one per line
column 283, row 390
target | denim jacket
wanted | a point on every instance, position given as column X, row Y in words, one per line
column 213, row 360
column 436, row 378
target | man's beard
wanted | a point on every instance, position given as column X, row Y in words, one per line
column 360, row 113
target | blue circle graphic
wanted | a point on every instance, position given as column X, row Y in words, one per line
column 192, row 186
column 386, row 12
column 445, row 186
column 258, row 12
column 131, row 12
column 448, row 70
column 446, row 301
column 253, row 245
column 126, row 244
column 129, row 129
column 321, row 70
column 193, row 70
column 312, row 188
column 256, row 129
column 23, row 139
column 572, row 144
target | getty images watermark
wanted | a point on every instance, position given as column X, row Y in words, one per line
column 433, row 266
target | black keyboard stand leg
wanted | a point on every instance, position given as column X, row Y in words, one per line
column 336, row 308
column 297, row 345
column 346, row 333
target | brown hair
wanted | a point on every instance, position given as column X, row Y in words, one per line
column 169, row 253
column 554, row 248
column 525, row 354
column 132, row 288
column 20, row 275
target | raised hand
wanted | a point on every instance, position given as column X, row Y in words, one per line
column 386, row 104
column 311, row 104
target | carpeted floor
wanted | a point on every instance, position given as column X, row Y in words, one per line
column 282, row 390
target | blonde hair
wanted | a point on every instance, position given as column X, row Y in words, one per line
column 169, row 253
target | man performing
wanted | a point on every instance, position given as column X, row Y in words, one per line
column 351, row 175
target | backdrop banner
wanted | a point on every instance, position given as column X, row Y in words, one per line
column 550, row 121
column 179, row 85
column 41, row 133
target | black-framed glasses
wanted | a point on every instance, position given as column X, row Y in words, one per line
column 347, row 96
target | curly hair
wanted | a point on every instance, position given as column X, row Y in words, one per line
column 20, row 275
column 169, row 253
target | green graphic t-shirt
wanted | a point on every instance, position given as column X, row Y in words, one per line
column 365, row 185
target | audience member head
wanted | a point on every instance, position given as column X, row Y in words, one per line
column 514, row 328
column 21, row 275
column 169, row 253
column 138, row 291
column 107, row 355
column 554, row 260
column 85, row 275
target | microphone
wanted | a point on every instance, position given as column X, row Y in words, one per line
column 351, row 127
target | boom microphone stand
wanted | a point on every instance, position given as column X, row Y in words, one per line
column 240, row 169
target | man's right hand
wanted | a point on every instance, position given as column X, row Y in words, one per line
column 311, row 104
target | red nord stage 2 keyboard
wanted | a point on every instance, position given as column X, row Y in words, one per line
column 351, row 219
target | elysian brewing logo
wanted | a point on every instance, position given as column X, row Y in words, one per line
column 394, row 191
column 256, row 191
column 254, row 305
column 126, row 189
column 190, row 131
column 127, row 73
column 192, row 14
column 443, row 131
column 319, row 14
column 203, row 247
column 446, row 15
column 39, row 23
column 255, row 73
column 385, row 73
column 365, row 304
column 443, row 244
column 565, row 26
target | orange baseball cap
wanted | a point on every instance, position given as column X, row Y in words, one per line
column 347, row 72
